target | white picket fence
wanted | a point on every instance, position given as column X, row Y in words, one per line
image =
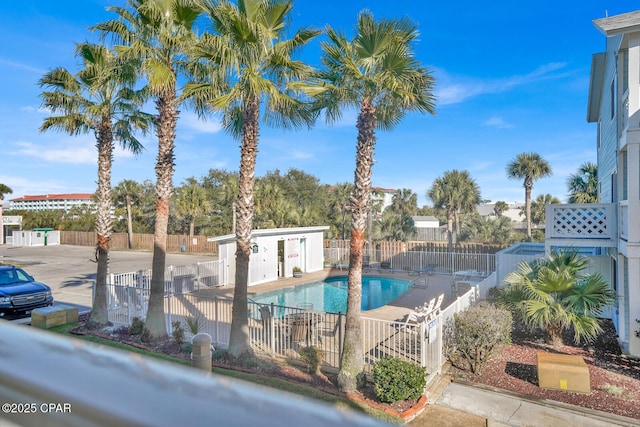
column 282, row 331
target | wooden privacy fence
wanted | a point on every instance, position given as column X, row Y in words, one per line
column 395, row 247
column 175, row 243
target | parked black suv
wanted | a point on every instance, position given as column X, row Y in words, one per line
column 20, row 293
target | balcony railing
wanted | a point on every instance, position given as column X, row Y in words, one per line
column 592, row 224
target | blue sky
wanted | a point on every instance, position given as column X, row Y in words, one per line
column 510, row 77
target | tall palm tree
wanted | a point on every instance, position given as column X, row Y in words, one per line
column 404, row 202
column 157, row 33
column 453, row 192
column 554, row 294
column 126, row 193
column 340, row 201
column 377, row 72
column 99, row 98
column 529, row 167
column 249, row 45
column 539, row 207
column 4, row 189
column 583, row 185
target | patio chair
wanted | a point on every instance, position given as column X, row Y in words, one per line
column 429, row 269
column 366, row 265
column 427, row 307
column 436, row 308
column 385, row 266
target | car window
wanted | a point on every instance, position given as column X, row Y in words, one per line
column 21, row 276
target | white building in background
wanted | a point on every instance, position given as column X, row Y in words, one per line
column 612, row 227
column 275, row 252
column 51, row 202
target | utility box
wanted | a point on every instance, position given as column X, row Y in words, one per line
column 563, row 372
column 48, row 317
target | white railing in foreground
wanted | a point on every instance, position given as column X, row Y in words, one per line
column 50, row 380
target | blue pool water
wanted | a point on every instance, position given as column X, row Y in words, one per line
column 330, row 295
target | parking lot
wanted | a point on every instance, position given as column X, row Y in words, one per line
column 71, row 270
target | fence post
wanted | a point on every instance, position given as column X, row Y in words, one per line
column 272, row 330
column 339, row 337
column 423, row 344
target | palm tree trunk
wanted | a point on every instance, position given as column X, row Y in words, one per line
column 129, row 222
column 450, row 231
column 167, row 119
column 192, row 226
column 352, row 359
column 99, row 314
column 239, row 342
column 527, row 207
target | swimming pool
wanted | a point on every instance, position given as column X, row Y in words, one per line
column 330, row 295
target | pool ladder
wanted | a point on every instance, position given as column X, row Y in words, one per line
column 425, row 279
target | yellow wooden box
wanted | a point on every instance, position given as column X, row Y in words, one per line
column 563, row 372
column 48, row 317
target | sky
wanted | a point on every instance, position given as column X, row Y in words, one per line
column 511, row 77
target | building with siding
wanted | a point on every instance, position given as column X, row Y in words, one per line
column 612, row 226
column 51, row 202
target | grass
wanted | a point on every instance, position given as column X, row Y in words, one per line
column 338, row 402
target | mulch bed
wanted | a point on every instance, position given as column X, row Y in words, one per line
column 614, row 377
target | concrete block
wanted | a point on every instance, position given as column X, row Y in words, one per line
column 563, row 372
column 48, row 317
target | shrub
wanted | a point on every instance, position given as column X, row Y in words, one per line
column 137, row 326
column 146, row 336
column 178, row 332
column 477, row 332
column 195, row 324
column 395, row 379
column 312, row 357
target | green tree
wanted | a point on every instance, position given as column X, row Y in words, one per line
column 377, row 72
column 539, row 207
column 487, row 230
column 453, row 192
column 500, row 207
column 555, row 294
column 126, row 194
column 157, row 33
column 393, row 226
column 4, row 190
column 529, row 167
column 99, row 98
column 340, row 201
column 191, row 201
column 583, row 185
column 250, row 47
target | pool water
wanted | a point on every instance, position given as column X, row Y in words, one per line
column 330, row 295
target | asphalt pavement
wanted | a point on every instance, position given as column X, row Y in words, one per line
column 71, row 270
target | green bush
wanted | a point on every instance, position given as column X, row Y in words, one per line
column 137, row 326
column 312, row 357
column 476, row 334
column 395, row 379
column 178, row 332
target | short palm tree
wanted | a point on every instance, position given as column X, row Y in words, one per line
column 377, row 73
column 191, row 201
column 554, row 294
column 249, row 45
column 126, row 193
column 340, row 201
column 454, row 191
column 99, row 98
column 500, row 207
column 157, row 33
column 529, row 167
column 583, row 185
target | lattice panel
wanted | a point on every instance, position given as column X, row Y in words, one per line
column 581, row 222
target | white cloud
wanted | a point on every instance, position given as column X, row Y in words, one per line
column 192, row 122
column 22, row 66
column 75, row 153
column 456, row 89
column 497, row 122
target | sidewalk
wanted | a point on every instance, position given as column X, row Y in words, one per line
column 492, row 407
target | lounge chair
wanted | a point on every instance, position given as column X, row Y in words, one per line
column 385, row 266
column 429, row 269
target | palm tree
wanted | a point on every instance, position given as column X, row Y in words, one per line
column 4, row 190
column 500, row 207
column 340, row 201
column 404, row 202
column 468, row 197
column 191, row 202
column 157, row 33
column 539, row 207
column 454, row 191
column 97, row 99
column 554, row 294
column 530, row 167
column 376, row 72
column 583, row 185
column 127, row 193
column 249, row 46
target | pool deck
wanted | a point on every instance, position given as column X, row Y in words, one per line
column 396, row 310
